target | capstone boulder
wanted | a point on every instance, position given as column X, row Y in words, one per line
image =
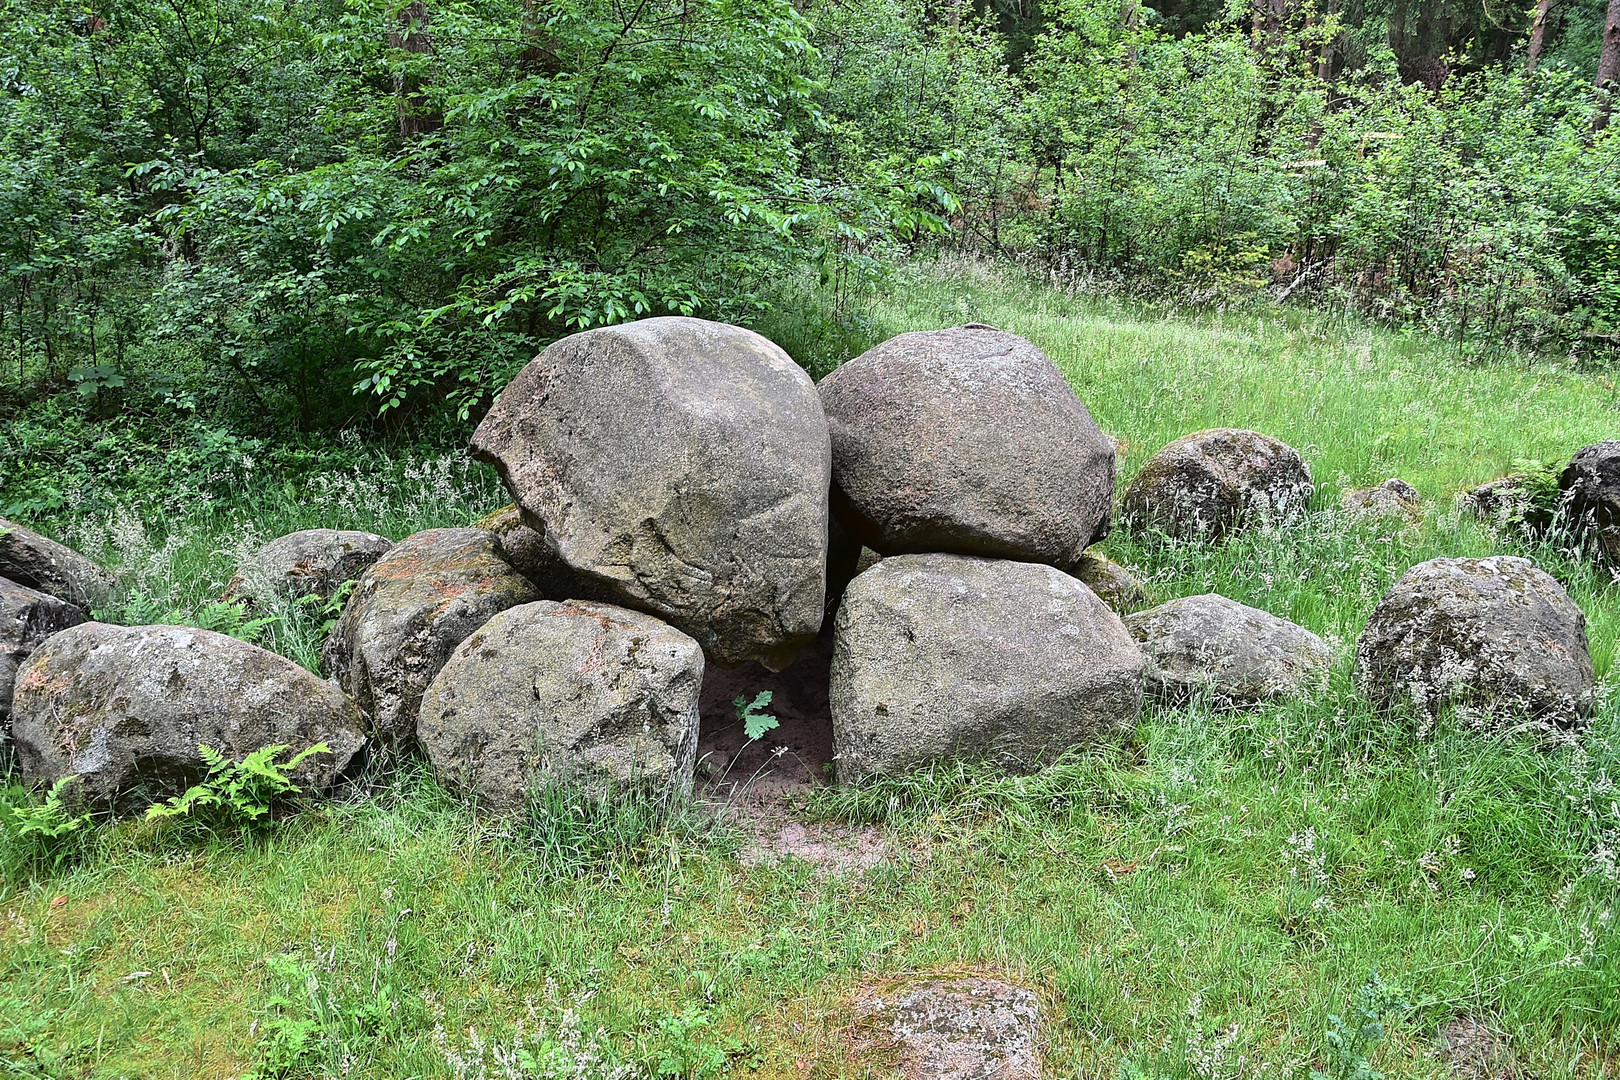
column 574, row 692
column 948, row 656
column 685, row 465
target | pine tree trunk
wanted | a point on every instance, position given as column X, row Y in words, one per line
column 1608, row 76
column 1538, row 35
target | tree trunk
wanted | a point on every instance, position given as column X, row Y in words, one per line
column 1324, row 52
column 1538, row 35
column 414, row 116
column 1608, row 76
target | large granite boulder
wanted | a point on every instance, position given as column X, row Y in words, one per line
column 968, row 441
column 1589, row 491
column 1205, row 485
column 1233, row 654
column 572, row 692
column 410, row 610
column 538, row 561
column 312, row 562
column 685, row 465
column 48, row 567
column 27, row 618
column 1495, row 636
column 950, row 656
column 125, row 708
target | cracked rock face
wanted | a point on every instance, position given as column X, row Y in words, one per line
column 967, row 441
column 1234, row 653
column 962, row 1029
column 1494, row 636
column 27, row 618
column 683, row 464
column 125, row 708
column 938, row 657
column 410, row 610
column 312, row 562
column 1205, row 485
column 550, row 692
column 55, row 569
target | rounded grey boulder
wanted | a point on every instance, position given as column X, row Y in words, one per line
column 573, row 692
column 1235, row 654
column 968, row 441
column 1494, row 635
column 42, row 564
column 1589, row 489
column 949, row 656
column 125, row 708
column 312, row 562
column 27, row 618
column 1205, row 485
column 685, row 465
column 410, row 610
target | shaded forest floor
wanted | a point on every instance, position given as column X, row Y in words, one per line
column 1232, row 895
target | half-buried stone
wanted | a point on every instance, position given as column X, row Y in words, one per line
column 42, row 564
column 938, row 657
column 967, row 441
column 684, row 464
column 578, row 693
column 1496, row 637
column 126, row 709
column 1207, row 484
column 410, row 610
column 1234, row 654
column 311, row 562
column 27, row 618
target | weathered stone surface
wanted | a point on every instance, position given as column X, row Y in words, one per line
column 410, row 610
column 1205, row 485
column 967, row 441
column 536, row 560
column 961, row 1029
column 125, row 708
column 27, row 618
column 552, row 692
column 949, row 656
column 312, row 562
column 1114, row 585
column 48, row 567
column 1504, row 501
column 1235, row 654
column 1589, row 489
column 1393, row 498
column 1497, row 636
column 684, row 464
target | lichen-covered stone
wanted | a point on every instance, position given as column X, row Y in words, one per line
column 574, row 692
column 1589, row 489
column 408, row 612
column 42, row 564
column 960, row 1028
column 1212, row 646
column 27, row 618
column 126, row 709
column 685, row 465
column 311, row 562
column 1495, row 636
column 968, row 441
column 948, row 656
column 1393, row 498
column 1205, row 485
column 1114, row 585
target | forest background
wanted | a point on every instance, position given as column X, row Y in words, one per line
column 232, row 230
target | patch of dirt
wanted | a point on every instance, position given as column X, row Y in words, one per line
column 792, row 758
column 1473, row 1051
column 834, row 850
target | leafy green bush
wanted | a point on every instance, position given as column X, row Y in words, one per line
column 43, row 834
column 237, row 793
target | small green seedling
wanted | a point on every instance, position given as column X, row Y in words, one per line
column 755, row 721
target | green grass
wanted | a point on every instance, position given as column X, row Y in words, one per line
column 1198, row 904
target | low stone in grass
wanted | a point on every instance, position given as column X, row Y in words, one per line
column 27, row 618
column 126, row 708
column 42, row 564
column 1589, row 491
column 579, row 693
column 948, row 656
column 1495, row 636
column 1207, row 484
column 1393, row 498
column 1114, row 585
column 311, row 562
column 1236, row 655
column 408, row 612
column 960, row 1028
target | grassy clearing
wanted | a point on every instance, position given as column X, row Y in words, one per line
column 1200, row 904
